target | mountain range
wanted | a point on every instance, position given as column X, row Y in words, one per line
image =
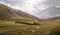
column 7, row 13
column 49, row 12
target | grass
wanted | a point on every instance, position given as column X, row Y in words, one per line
column 12, row 28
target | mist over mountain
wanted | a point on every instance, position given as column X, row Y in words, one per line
column 51, row 11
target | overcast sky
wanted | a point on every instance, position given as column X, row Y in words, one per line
column 27, row 5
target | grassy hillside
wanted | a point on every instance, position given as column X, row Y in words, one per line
column 11, row 28
column 7, row 13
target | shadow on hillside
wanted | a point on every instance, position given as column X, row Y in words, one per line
column 55, row 31
column 27, row 23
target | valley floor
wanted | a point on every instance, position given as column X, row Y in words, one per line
column 12, row 28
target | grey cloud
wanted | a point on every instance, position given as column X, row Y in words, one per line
column 52, row 2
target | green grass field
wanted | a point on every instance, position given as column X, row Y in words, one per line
column 12, row 28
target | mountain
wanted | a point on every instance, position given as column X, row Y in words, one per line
column 53, row 18
column 7, row 13
column 53, row 11
column 49, row 12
